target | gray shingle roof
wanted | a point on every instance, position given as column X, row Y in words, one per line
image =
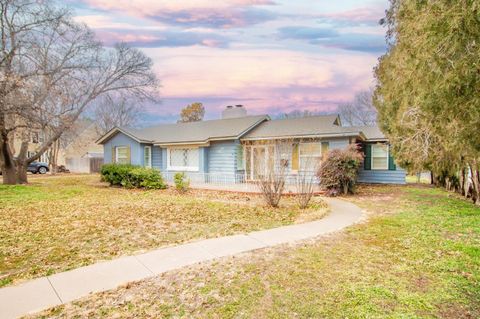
column 247, row 128
column 196, row 132
column 370, row 132
column 324, row 125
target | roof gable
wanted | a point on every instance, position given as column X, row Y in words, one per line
column 191, row 133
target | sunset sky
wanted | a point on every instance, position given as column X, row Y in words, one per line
column 273, row 56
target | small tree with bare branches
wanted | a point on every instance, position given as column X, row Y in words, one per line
column 272, row 186
column 305, row 183
column 270, row 172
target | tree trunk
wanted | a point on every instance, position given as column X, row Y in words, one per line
column 464, row 182
column 8, row 163
column 22, row 173
column 474, row 167
column 55, row 150
column 9, row 175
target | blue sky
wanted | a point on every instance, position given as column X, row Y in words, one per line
column 272, row 56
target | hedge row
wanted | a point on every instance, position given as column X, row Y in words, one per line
column 132, row 176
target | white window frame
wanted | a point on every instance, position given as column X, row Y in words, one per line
column 149, row 163
column 117, row 151
column 373, row 157
column 183, row 168
column 300, row 156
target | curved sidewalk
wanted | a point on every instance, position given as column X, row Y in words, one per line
column 46, row 292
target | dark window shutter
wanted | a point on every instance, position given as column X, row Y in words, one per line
column 367, row 162
column 113, row 154
column 391, row 162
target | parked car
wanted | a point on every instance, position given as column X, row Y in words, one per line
column 38, row 167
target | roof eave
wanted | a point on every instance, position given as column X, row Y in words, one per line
column 303, row 136
column 382, row 139
column 196, row 143
column 116, row 130
column 169, row 144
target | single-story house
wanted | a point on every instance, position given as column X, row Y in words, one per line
column 240, row 148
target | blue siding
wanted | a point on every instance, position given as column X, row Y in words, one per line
column 222, row 157
column 382, row 176
column 120, row 139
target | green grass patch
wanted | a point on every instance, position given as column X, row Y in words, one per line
column 418, row 256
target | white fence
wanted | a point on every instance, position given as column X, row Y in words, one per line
column 84, row 164
column 221, row 179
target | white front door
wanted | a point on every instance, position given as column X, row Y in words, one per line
column 259, row 161
column 262, row 161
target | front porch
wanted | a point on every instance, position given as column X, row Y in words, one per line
column 234, row 182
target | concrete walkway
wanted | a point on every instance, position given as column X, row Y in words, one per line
column 46, row 292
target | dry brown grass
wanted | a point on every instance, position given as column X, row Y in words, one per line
column 396, row 265
column 59, row 223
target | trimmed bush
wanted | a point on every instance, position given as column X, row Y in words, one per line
column 115, row 173
column 339, row 170
column 181, row 182
column 131, row 176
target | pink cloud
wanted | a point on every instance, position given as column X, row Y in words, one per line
column 266, row 81
column 222, row 14
column 370, row 15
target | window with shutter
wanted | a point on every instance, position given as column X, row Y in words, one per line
column 122, row 155
column 379, row 156
column 310, row 155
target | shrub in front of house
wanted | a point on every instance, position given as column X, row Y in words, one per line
column 339, row 170
column 114, row 174
column 131, row 176
column 181, row 182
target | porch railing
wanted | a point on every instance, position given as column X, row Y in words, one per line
column 222, row 179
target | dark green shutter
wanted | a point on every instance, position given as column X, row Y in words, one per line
column 367, row 162
column 391, row 161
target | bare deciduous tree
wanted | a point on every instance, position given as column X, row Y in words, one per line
column 360, row 111
column 295, row 114
column 271, row 185
column 51, row 69
column 270, row 170
column 305, row 183
column 112, row 111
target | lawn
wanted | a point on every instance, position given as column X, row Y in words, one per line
column 59, row 223
column 417, row 256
